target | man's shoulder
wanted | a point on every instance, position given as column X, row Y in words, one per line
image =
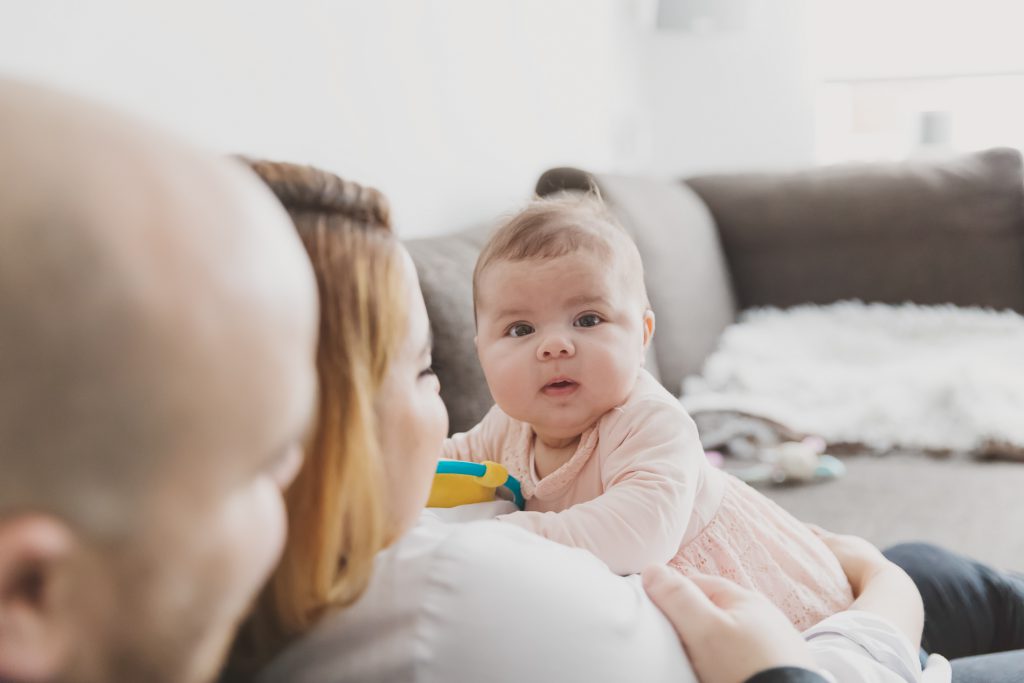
column 501, row 594
column 483, row 600
column 494, row 549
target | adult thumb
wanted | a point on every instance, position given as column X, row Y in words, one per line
column 721, row 592
column 680, row 599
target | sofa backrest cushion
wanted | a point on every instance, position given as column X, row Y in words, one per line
column 927, row 232
column 445, row 267
column 687, row 278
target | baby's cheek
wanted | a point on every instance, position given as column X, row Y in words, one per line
column 493, row 372
column 507, row 390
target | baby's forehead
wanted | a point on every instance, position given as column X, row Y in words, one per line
column 584, row 276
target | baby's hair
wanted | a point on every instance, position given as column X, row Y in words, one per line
column 559, row 225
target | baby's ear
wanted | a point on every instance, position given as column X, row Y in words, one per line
column 648, row 325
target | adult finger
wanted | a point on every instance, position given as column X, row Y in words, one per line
column 722, row 592
column 682, row 601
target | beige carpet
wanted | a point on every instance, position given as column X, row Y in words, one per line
column 976, row 508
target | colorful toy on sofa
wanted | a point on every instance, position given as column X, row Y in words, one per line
column 793, row 462
column 458, row 482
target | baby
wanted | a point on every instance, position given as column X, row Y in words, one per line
column 608, row 459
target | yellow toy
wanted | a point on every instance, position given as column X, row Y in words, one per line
column 458, row 482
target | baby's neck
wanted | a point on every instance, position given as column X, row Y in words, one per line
column 550, row 454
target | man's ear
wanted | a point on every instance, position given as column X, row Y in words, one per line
column 34, row 635
column 648, row 324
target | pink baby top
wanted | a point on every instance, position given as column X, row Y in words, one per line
column 639, row 491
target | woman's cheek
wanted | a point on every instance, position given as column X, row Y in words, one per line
column 434, row 432
column 441, row 421
column 425, row 429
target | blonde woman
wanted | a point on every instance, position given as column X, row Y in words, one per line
column 378, row 397
column 372, row 589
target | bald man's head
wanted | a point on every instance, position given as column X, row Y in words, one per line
column 157, row 319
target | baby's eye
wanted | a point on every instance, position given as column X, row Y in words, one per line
column 520, row 330
column 588, row 320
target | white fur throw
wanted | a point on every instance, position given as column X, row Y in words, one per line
column 935, row 378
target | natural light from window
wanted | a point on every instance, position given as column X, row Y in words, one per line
column 911, row 78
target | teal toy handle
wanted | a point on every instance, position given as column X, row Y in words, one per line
column 512, row 484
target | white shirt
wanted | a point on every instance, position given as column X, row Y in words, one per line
column 861, row 646
column 485, row 601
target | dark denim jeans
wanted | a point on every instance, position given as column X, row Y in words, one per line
column 974, row 614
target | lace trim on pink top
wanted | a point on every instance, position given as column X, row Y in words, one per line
column 756, row 544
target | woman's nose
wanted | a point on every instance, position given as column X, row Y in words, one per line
column 555, row 346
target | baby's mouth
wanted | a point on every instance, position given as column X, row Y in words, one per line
column 560, row 387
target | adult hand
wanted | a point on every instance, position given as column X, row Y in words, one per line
column 729, row 632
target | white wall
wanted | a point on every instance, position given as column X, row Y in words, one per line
column 452, row 107
column 736, row 98
column 918, row 38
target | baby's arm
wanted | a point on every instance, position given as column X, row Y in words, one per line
column 650, row 479
column 879, row 586
column 482, row 442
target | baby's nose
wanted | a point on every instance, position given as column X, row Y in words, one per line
column 555, row 346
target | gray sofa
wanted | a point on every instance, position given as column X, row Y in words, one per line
column 948, row 231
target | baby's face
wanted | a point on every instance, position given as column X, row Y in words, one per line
column 561, row 341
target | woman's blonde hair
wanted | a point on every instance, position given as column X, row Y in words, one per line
column 336, row 516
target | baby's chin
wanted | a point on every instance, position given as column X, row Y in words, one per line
column 569, row 427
